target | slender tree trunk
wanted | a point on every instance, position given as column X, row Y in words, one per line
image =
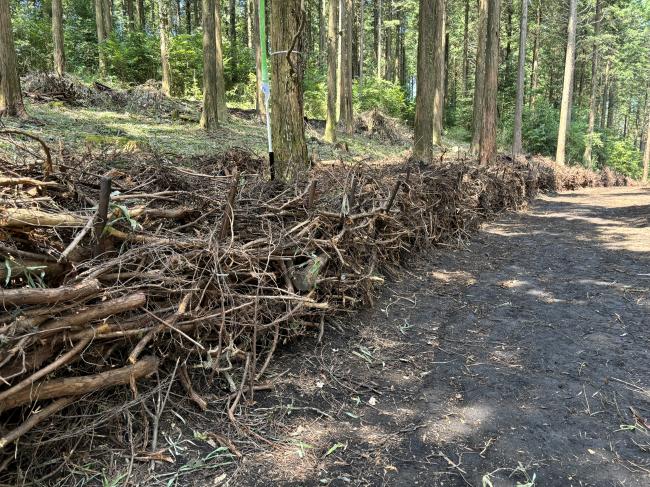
column 332, row 62
column 107, row 15
column 439, row 27
column 605, row 97
column 209, row 116
column 565, row 111
column 287, row 22
column 378, row 40
column 362, row 35
column 249, row 24
column 322, row 32
column 57, row 37
column 101, row 34
column 611, row 106
column 508, row 50
column 257, row 47
column 521, row 73
column 593, row 101
column 11, row 98
column 141, row 17
column 534, row 72
column 222, row 110
column 488, row 145
column 232, row 27
column 479, row 80
column 646, row 156
column 188, row 15
column 130, row 14
column 389, row 72
column 163, row 12
column 423, row 145
column 466, row 50
column 346, row 116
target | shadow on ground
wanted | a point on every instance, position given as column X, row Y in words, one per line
column 522, row 357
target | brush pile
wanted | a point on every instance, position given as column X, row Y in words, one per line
column 376, row 125
column 149, row 97
column 569, row 178
column 203, row 264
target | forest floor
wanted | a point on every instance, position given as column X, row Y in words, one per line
column 519, row 360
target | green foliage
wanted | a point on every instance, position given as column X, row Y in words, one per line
column 625, row 158
column 33, row 39
column 540, row 127
column 315, row 97
column 383, row 95
column 133, row 57
column 186, row 62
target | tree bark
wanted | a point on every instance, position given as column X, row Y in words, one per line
column 257, row 47
column 141, row 16
column 345, row 114
column 57, row 37
column 605, row 96
column 611, row 105
column 569, row 66
column 188, row 15
column 423, row 145
column 362, row 32
column 209, row 116
column 646, row 155
column 222, row 109
column 332, row 61
column 519, row 105
column 287, row 24
column 11, row 98
column 593, row 101
column 163, row 12
column 534, row 72
column 488, row 145
column 378, row 34
column 479, row 80
column 439, row 28
column 466, row 50
column 322, row 32
column 232, row 35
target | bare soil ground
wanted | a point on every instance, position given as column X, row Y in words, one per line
column 520, row 360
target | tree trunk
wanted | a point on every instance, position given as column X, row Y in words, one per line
column 11, row 98
column 163, row 13
column 593, row 101
column 466, row 49
column 249, row 24
column 222, row 109
column 389, row 72
column 605, row 97
column 101, row 34
column 646, row 156
column 569, row 66
column 232, row 35
column 439, row 27
column 479, row 80
column 141, row 14
column 521, row 73
column 257, row 47
column 534, row 72
column 322, row 32
column 129, row 13
column 488, row 144
column 332, row 62
column 378, row 34
column 611, row 106
column 107, row 15
column 188, row 15
column 57, row 37
column 362, row 31
column 423, row 146
column 287, row 23
column 345, row 114
column 209, row 116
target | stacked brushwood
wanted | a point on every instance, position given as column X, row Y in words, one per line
column 570, row 178
column 112, row 272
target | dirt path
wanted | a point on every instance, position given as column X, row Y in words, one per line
column 522, row 357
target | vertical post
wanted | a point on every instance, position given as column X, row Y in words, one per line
column 266, row 88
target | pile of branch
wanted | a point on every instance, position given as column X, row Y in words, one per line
column 110, row 275
column 570, row 178
column 376, row 125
